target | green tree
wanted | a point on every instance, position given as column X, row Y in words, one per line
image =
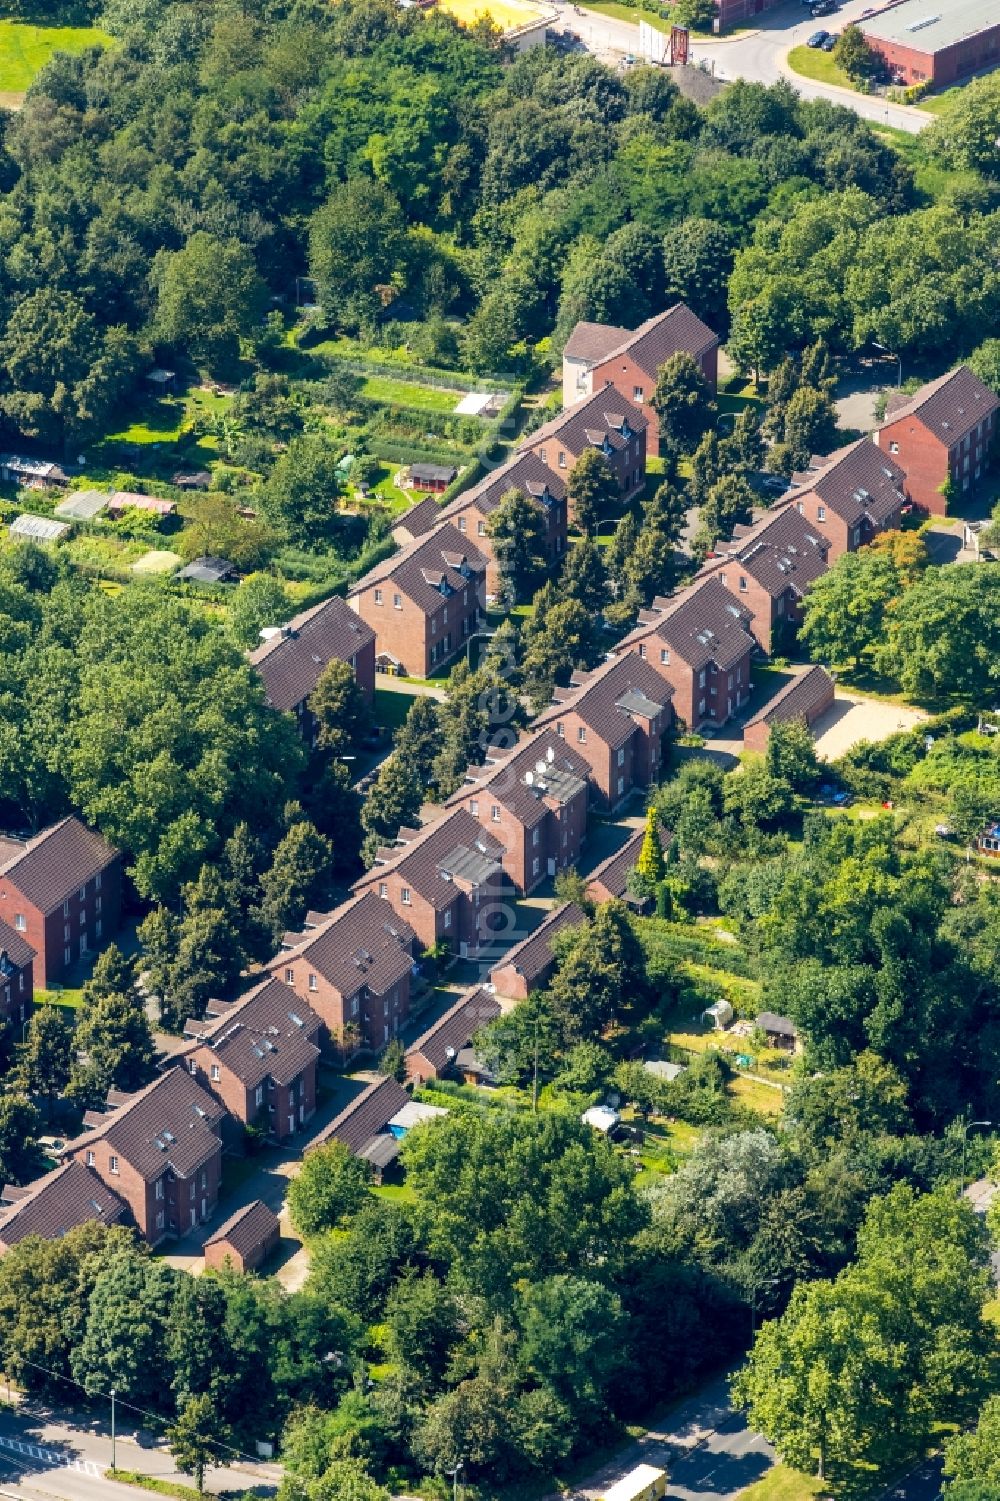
column 114, row 1035
column 339, row 708
column 684, row 403
column 974, row 1458
column 583, row 576
column 297, row 878
column 20, row 1156
column 592, row 490
column 984, row 361
column 729, row 501
column 944, row 635
column 195, row 1438
column 64, row 372
column 44, row 1059
column 573, row 1341
column 299, row 497
column 844, row 614
column 698, row 14
column 357, row 245
column 791, row 755
column 259, row 601
column 331, row 1187
column 966, row 136
column 122, row 1340
column 601, row 973
column 651, row 866
column 209, row 297
column 810, row 425
column 698, row 257
column 393, row 801
column 517, row 529
column 854, row 55
column 423, row 1324
column 564, row 639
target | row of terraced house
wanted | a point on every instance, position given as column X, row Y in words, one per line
column 345, row 981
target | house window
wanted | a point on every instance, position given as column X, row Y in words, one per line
column 383, row 889
column 98, row 905
column 857, row 536
column 66, row 933
column 159, row 1220
column 289, row 976
column 821, row 513
column 97, row 881
column 91, row 1159
column 159, row 1188
column 541, row 455
column 378, row 596
column 259, row 1096
column 397, row 601
column 621, row 785
column 664, row 656
column 642, row 650
column 494, row 813
column 561, row 730
column 636, row 393
column 743, row 584
column 535, row 866
column 83, row 893
column 461, row 523
column 562, row 459
column 621, row 755
column 444, row 614
column 473, row 805
column 20, row 922
column 67, row 956
column 781, row 605
column 701, row 678
column 800, row 508
column 535, row 834
column 434, row 625
column 65, row 909
column 354, row 1006
column 447, row 919
column 192, row 1066
column 112, row 1164
column 313, row 983
column 701, row 706
column 480, row 528
column 215, row 1073
column 729, row 683
column 404, row 896
column 893, row 447
column 581, row 735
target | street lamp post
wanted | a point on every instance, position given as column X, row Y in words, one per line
column 967, row 1126
column 476, row 636
column 454, row 1476
column 892, row 356
column 113, row 1395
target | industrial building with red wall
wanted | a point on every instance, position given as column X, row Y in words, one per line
column 935, row 41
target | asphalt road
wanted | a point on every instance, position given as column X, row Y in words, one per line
column 758, row 56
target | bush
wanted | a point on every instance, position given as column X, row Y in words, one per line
column 332, row 1186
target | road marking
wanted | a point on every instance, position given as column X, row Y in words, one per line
column 52, row 1457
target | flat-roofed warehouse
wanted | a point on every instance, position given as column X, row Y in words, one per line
column 936, row 41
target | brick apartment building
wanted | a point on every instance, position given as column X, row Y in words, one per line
column 851, row 496
column 353, row 968
column 935, row 41
column 61, row 891
column 768, row 567
column 291, row 657
column 258, row 1055
column 446, row 881
column 424, row 603
column 940, row 434
column 615, row 718
column 806, row 697
column 525, row 472
column 534, row 801
column 700, row 643
column 17, row 959
column 160, row 1152
column 600, row 355
column 609, row 423
column 529, row 964
column 55, row 1204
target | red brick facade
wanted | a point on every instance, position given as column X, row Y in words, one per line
column 80, row 920
column 637, row 385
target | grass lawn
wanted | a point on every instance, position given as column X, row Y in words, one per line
column 25, row 49
column 403, row 393
column 392, row 708
column 757, row 1095
column 156, row 1483
column 783, row 1484
column 629, row 13
column 813, row 62
column 163, row 419
column 71, row 1000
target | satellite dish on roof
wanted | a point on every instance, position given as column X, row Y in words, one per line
column 550, row 755
column 450, row 1053
column 529, row 777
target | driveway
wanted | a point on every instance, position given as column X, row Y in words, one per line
column 759, row 56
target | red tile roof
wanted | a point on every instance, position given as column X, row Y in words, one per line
column 613, row 873
column 291, row 662
column 453, row 848
column 525, row 472
column 590, row 423
column 442, row 1042
column 677, row 331
column 534, row 954
column 592, row 342
column 781, row 551
column 701, row 624
column 419, row 519
column 950, row 406
column 362, row 945
column 541, row 767
column 611, row 699
column 166, row 1125
column 798, row 699
column 266, row 1034
column 247, row 1230
column 366, row 1115
column 855, row 482
column 51, row 1206
column 429, row 569
column 57, row 862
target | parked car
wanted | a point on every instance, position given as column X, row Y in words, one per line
column 830, row 43
column 774, row 484
column 824, row 7
column 817, row 39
